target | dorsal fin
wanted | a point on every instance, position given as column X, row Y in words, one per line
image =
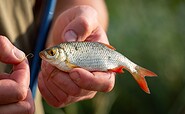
column 109, row 46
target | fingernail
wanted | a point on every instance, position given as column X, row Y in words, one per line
column 70, row 36
column 18, row 53
column 75, row 76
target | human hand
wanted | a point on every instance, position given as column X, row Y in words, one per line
column 76, row 24
column 15, row 96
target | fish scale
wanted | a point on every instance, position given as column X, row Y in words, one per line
column 83, row 56
column 94, row 56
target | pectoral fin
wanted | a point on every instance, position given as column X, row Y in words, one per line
column 70, row 65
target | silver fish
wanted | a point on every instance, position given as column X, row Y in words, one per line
column 93, row 56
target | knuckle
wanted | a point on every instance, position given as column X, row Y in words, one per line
column 25, row 107
column 3, row 40
column 83, row 21
column 29, row 108
column 3, row 46
column 4, row 43
column 108, row 87
column 110, row 84
column 91, row 86
column 22, row 93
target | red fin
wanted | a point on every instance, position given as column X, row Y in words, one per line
column 118, row 69
column 140, row 78
column 109, row 46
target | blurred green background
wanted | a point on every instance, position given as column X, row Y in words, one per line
column 152, row 34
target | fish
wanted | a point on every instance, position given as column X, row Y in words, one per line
column 94, row 56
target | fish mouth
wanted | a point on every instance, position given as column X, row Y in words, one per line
column 42, row 55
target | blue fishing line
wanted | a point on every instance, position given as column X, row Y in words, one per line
column 40, row 43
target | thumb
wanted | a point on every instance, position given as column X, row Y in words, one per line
column 75, row 24
column 79, row 29
column 9, row 53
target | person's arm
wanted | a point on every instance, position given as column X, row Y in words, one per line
column 75, row 21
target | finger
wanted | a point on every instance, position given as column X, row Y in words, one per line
column 60, row 79
column 10, row 54
column 64, row 82
column 21, row 73
column 79, row 29
column 22, row 107
column 54, row 89
column 74, row 24
column 82, row 25
column 44, row 91
column 72, row 99
column 4, row 76
column 30, row 103
column 11, row 92
column 50, row 98
column 107, row 79
column 98, row 81
column 59, row 95
column 14, row 86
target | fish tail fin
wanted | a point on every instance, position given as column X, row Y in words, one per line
column 139, row 76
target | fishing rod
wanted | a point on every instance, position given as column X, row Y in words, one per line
column 40, row 42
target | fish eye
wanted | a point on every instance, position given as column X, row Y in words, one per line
column 51, row 52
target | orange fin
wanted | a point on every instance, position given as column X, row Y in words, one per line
column 109, row 46
column 70, row 65
column 140, row 78
column 118, row 69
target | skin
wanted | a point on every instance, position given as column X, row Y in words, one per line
column 15, row 95
column 86, row 21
